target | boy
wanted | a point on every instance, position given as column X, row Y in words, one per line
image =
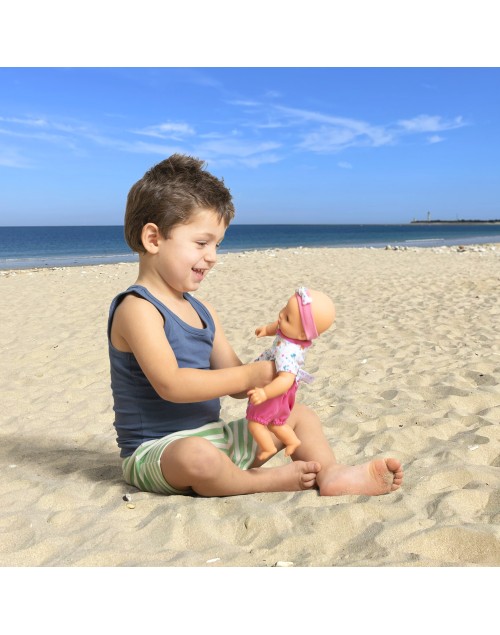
column 171, row 362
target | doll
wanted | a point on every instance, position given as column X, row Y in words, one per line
column 306, row 315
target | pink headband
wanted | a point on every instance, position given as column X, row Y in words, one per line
column 304, row 301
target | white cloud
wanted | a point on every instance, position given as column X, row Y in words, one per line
column 239, row 148
column 324, row 133
column 55, row 139
column 345, row 134
column 251, row 139
column 25, row 122
column 151, row 148
column 298, row 114
column 328, row 139
column 270, row 125
column 334, row 133
column 139, row 147
column 430, row 123
column 10, row 158
column 201, row 78
column 248, row 103
column 262, row 159
column 169, row 130
column 273, row 94
column 74, row 127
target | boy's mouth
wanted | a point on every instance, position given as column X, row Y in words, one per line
column 199, row 272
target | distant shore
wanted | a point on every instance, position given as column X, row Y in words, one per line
column 455, row 222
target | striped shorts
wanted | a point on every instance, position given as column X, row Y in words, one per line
column 142, row 469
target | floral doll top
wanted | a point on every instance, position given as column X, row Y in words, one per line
column 289, row 356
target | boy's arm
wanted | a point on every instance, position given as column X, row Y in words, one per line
column 139, row 327
column 277, row 387
column 223, row 356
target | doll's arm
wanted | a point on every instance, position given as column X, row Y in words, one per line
column 268, row 329
column 279, row 386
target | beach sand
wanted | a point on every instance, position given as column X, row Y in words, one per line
column 411, row 369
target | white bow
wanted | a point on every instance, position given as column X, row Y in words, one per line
column 304, row 296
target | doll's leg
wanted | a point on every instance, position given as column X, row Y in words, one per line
column 287, row 436
column 263, row 439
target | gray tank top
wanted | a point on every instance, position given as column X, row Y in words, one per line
column 140, row 413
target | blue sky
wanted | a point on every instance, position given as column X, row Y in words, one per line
column 334, row 145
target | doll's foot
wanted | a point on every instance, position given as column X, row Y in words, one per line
column 380, row 476
column 290, row 449
column 266, row 454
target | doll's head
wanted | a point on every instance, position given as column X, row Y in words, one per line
column 306, row 315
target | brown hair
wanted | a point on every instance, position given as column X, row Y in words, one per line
column 170, row 193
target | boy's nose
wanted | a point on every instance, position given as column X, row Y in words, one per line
column 211, row 254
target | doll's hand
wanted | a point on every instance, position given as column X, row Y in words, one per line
column 257, row 396
column 260, row 331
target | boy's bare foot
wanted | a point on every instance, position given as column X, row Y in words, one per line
column 294, row 476
column 377, row 477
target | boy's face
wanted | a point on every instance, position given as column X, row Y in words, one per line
column 190, row 251
column 289, row 321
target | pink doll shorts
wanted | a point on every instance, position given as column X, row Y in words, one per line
column 275, row 410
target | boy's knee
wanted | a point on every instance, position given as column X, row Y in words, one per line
column 300, row 408
column 199, row 457
column 302, row 413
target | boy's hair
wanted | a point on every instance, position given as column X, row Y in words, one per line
column 170, row 193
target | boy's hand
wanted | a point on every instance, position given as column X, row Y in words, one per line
column 260, row 331
column 257, row 396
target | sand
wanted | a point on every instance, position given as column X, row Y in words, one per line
column 411, row 369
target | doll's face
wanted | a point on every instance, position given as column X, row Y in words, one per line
column 289, row 322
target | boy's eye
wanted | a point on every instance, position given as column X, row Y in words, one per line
column 204, row 243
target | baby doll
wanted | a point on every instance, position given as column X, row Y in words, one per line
column 306, row 315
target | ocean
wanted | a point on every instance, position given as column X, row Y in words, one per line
column 30, row 247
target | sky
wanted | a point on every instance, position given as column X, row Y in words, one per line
column 313, row 143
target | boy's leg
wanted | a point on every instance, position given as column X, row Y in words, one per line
column 373, row 478
column 194, row 463
column 287, row 436
column 263, row 438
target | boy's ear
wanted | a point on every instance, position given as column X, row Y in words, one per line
column 150, row 236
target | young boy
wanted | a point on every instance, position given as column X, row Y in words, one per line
column 171, row 362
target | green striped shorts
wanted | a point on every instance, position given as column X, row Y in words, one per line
column 142, row 469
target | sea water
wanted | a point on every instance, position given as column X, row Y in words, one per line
column 28, row 247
